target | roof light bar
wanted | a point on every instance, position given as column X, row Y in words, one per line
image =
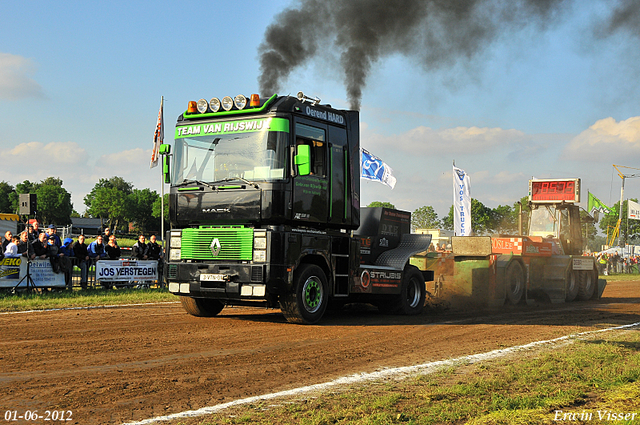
column 227, row 103
column 202, row 106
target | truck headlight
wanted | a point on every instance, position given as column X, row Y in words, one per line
column 259, row 256
column 176, row 240
column 175, row 254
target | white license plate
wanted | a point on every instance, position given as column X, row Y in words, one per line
column 208, row 277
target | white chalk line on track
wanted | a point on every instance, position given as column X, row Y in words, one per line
column 90, row 307
column 385, row 373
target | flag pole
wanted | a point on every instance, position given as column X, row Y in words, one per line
column 162, row 183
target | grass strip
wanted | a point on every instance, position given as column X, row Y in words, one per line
column 595, row 380
column 82, row 298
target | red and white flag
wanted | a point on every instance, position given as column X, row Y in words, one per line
column 158, row 139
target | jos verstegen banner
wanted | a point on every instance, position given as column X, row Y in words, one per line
column 461, row 202
column 373, row 168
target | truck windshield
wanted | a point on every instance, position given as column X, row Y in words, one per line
column 254, row 156
column 544, row 222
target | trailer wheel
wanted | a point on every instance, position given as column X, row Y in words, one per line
column 201, row 307
column 412, row 293
column 587, row 285
column 515, row 283
column 572, row 286
column 308, row 302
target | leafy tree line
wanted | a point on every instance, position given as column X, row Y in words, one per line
column 113, row 200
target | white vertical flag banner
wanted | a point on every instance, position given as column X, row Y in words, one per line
column 461, row 202
column 373, row 168
column 633, row 209
column 158, row 138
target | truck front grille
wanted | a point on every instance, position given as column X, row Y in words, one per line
column 235, row 243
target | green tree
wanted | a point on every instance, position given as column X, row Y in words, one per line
column 113, row 183
column 54, row 204
column 381, row 204
column 157, row 205
column 425, row 218
column 109, row 200
column 6, row 192
column 141, row 209
column 483, row 219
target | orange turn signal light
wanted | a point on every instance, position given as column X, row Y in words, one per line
column 193, row 107
column 255, row 100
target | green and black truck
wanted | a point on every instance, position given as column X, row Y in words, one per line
column 265, row 211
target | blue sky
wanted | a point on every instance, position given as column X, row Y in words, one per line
column 81, row 82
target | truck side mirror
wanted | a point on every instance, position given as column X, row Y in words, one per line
column 303, row 160
column 165, row 168
column 164, row 149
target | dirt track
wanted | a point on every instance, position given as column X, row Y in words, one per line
column 131, row 363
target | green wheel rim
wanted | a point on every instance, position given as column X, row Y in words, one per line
column 312, row 294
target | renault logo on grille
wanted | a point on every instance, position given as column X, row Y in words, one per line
column 215, row 247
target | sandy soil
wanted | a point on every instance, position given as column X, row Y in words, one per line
column 112, row 365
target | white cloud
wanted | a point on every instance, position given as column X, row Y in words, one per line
column 15, row 81
column 461, row 140
column 606, row 140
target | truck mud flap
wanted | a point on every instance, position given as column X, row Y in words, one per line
column 410, row 244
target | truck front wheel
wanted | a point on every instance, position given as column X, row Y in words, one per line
column 201, row 307
column 515, row 283
column 308, row 302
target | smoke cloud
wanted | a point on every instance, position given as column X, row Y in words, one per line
column 435, row 33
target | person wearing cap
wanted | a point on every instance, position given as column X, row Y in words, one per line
column 36, row 231
column 52, row 230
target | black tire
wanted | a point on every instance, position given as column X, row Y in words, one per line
column 308, row 301
column 587, row 284
column 572, row 286
column 514, row 279
column 201, row 307
column 412, row 293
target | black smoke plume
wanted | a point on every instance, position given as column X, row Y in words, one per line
column 435, row 33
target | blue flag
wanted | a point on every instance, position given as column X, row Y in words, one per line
column 373, row 168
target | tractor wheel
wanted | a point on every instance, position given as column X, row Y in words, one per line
column 515, row 283
column 587, row 285
column 308, row 302
column 201, row 307
column 572, row 286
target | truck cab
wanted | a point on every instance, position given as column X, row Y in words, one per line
column 264, row 202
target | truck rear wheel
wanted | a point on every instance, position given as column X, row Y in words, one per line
column 412, row 293
column 308, row 302
column 515, row 283
column 572, row 286
column 201, row 307
column 587, row 284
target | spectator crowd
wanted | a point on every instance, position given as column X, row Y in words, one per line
column 33, row 243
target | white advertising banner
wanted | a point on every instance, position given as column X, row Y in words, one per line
column 14, row 271
column 126, row 270
column 633, row 209
column 461, row 202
